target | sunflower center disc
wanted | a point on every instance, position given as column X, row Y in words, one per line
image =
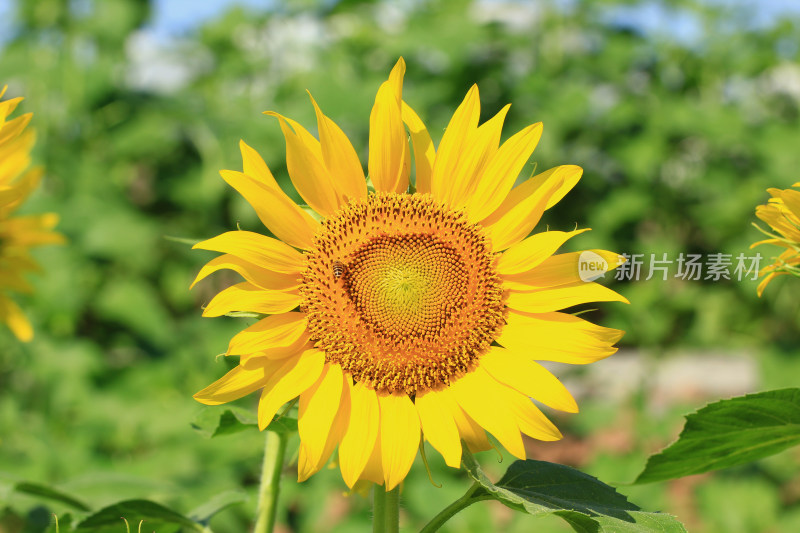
column 402, row 292
column 405, row 286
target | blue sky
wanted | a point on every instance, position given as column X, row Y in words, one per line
column 180, row 16
column 177, row 17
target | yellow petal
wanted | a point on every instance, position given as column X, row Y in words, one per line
column 787, row 257
column 233, row 385
column 307, row 170
column 530, row 420
column 561, row 269
column 256, row 359
column 11, row 129
column 528, row 377
column 359, row 439
column 531, row 252
column 274, row 331
column 389, row 154
column 293, row 378
column 462, row 125
column 30, row 223
column 570, row 174
column 777, row 216
column 317, row 409
column 34, row 238
column 424, row 152
column 258, row 249
column 12, row 315
column 396, row 78
column 261, row 277
column 469, row 430
column 792, row 200
column 399, row 437
column 502, row 171
column 523, row 207
column 16, row 157
column 305, row 467
column 249, row 298
column 276, row 211
column 254, row 166
column 374, row 471
column 305, row 225
column 557, row 337
column 766, row 280
column 481, row 398
column 439, row 427
column 31, row 230
column 776, row 242
column 479, row 148
column 554, row 299
column 340, row 157
column 8, row 106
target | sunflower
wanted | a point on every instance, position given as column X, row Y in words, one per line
column 18, row 234
column 405, row 313
column 782, row 213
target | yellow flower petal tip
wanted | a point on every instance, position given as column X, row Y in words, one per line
column 399, row 317
column 782, row 214
column 19, row 233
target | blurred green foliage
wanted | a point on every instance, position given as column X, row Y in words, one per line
column 678, row 138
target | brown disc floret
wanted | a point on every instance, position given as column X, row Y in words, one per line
column 402, row 292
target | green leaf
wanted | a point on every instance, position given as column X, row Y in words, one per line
column 223, row 500
column 728, row 433
column 283, row 425
column 49, row 493
column 587, row 504
column 154, row 515
column 215, row 421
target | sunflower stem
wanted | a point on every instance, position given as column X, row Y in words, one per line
column 274, row 451
column 462, row 503
column 385, row 510
column 378, row 509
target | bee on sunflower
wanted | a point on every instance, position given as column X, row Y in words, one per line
column 405, row 312
column 18, row 234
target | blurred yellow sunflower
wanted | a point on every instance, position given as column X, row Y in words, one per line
column 405, row 313
column 782, row 213
column 18, row 234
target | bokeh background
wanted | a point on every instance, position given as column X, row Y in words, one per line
column 681, row 113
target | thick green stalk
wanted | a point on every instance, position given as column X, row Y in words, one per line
column 385, row 510
column 274, row 451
